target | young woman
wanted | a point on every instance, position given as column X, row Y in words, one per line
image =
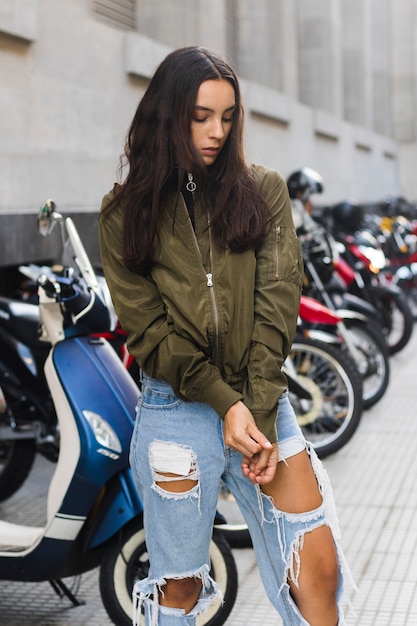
column 203, row 264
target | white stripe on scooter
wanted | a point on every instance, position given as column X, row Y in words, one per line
column 65, row 527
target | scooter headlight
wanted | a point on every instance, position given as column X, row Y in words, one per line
column 103, row 432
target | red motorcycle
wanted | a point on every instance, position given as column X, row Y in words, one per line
column 366, row 274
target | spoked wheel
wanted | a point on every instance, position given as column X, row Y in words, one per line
column 373, row 362
column 397, row 319
column 409, row 288
column 16, row 460
column 127, row 561
column 330, row 410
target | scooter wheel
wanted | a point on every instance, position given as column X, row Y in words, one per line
column 127, row 561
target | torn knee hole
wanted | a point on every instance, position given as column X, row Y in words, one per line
column 174, row 467
column 180, row 590
column 175, row 483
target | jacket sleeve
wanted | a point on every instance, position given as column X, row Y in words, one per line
column 159, row 351
column 278, row 283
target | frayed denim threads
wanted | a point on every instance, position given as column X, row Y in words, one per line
column 182, row 441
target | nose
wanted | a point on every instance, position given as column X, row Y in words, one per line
column 217, row 128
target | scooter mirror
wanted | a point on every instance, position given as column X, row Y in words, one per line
column 47, row 217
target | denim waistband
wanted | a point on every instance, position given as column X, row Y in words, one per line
column 155, row 383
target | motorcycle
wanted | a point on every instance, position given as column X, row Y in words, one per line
column 362, row 338
column 93, row 511
column 398, row 238
column 363, row 274
column 324, row 383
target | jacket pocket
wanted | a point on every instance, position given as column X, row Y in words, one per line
column 285, row 255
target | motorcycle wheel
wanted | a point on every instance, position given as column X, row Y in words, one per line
column 373, row 360
column 127, row 561
column 397, row 318
column 409, row 287
column 332, row 416
column 16, row 460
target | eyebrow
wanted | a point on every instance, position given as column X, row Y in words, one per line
column 201, row 108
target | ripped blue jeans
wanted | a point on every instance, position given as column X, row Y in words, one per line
column 186, row 440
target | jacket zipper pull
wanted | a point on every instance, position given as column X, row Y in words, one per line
column 190, row 186
column 277, row 234
column 209, row 280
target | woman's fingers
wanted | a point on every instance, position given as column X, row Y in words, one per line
column 241, row 432
column 260, row 468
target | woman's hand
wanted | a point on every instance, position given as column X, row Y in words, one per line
column 260, row 468
column 260, row 457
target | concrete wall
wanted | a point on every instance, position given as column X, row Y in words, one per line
column 315, row 80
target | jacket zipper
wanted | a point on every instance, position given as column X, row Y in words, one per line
column 277, row 251
column 213, row 299
column 210, row 284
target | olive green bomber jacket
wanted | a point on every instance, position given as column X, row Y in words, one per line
column 216, row 325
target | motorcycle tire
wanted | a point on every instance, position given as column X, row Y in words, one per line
column 374, row 359
column 16, row 460
column 127, row 560
column 409, row 287
column 330, row 418
column 396, row 316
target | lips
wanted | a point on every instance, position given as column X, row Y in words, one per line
column 210, row 151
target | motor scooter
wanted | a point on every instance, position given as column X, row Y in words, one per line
column 28, row 421
column 93, row 511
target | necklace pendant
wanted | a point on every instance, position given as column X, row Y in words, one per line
column 190, row 186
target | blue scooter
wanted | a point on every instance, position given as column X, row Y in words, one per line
column 93, row 512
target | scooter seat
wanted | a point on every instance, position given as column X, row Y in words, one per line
column 21, row 320
column 15, row 537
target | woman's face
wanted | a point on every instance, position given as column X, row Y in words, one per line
column 212, row 118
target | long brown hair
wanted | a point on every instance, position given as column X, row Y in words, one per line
column 159, row 139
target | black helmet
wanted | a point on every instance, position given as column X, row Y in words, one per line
column 305, row 182
column 394, row 206
column 348, row 216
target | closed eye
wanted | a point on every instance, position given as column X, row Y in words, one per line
column 225, row 120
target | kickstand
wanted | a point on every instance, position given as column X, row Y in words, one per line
column 62, row 590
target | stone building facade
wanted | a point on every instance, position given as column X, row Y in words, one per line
column 331, row 84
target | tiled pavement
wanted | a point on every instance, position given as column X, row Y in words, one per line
column 375, row 482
